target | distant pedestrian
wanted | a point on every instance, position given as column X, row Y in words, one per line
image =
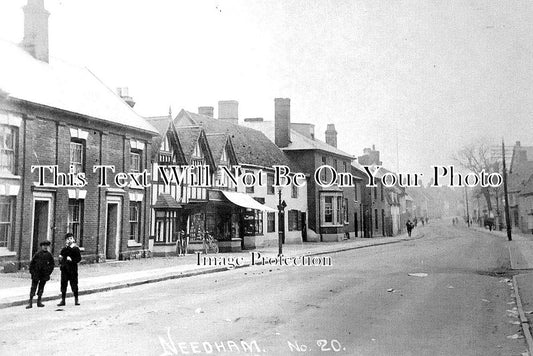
column 41, row 267
column 409, row 226
column 69, row 258
column 415, row 221
column 181, row 243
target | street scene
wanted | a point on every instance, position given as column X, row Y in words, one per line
column 445, row 291
column 268, row 178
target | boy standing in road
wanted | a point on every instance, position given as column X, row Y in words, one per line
column 69, row 258
column 41, row 267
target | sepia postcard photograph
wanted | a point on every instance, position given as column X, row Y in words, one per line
column 266, row 177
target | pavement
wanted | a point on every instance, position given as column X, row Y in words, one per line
column 100, row 277
column 521, row 256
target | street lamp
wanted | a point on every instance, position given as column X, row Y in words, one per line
column 281, row 222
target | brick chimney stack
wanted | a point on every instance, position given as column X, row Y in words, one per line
column 370, row 157
column 228, row 110
column 331, row 135
column 206, row 110
column 282, row 121
column 35, row 39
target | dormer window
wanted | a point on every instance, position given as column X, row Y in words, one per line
column 197, row 156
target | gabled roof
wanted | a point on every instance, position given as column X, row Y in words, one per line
column 188, row 136
column 528, row 187
column 299, row 142
column 251, row 146
column 160, row 123
column 519, row 177
column 519, row 154
column 166, row 129
column 218, row 142
column 62, row 86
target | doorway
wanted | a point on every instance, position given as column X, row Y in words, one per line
column 113, row 229
column 40, row 223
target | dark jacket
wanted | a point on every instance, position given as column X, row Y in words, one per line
column 70, row 267
column 42, row 265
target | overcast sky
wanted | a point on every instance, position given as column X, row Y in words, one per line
column 441, row 73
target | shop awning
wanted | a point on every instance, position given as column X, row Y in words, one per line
column 246, row 201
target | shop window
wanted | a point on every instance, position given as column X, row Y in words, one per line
column 271, row 222
column 6, row 221
column 338, row 207
column 75, row 219
column 253, row 222
column 166, row 225
column 328, row 209
column 135, row 220
column 332, row 209
column 7, row 149
column 295, row 220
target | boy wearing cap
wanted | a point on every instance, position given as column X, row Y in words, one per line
column 41, row 267
column 69, row 258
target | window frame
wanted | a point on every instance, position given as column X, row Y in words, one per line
column 79, row 167
column 7, row 240
column 270, row 184
column 78, row 233
column 11, row 163
column 135, row 233
column 271, row 219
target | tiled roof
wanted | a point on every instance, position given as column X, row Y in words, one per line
column 188, row 136
column 520, row 176
column 528, row 187
column 160, row 123
column 166, row 201
column 298, row 142
column 217, row 143
column 251, row 146
column 63, row 86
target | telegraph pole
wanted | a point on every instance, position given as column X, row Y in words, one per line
column 467, row 210
column 507, row 216
column 281, row 222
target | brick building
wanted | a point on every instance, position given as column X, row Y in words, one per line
column 55, row 114
column 331, row 210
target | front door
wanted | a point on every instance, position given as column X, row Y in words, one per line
column 304, row 227
column 40, row 223
column 356, row 224
column 43, row 206
column 113, row 229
